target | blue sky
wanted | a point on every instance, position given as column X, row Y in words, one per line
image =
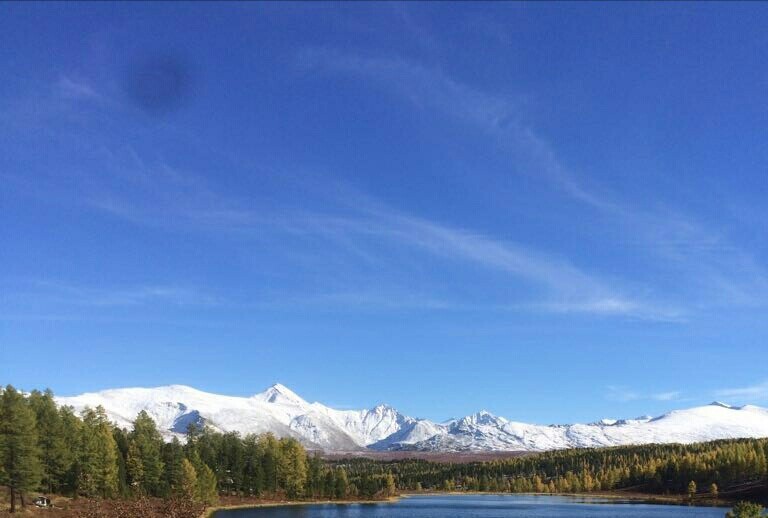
column 552, row 211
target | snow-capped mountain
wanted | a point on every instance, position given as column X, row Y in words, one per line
column 484, row 431
column 278, row 410
column 282, row 412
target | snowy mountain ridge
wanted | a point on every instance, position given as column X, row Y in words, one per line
column 283, row 412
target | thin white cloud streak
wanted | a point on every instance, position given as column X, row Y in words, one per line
column 55, row 292
column 562, row 287
column 155, row 194
column 719, row 271
column 181, row 200
column 186, row 201
column 384, row 299
column 757, row 392
column 46, row 295
column 431, row 88
column 565, row 287
column 626, row 395
column 667, row 396
column 74, row 89
column 616, row 393
column 569, row 289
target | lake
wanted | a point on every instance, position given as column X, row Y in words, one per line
column 485, row 506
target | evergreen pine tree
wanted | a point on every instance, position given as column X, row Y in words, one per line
column 315, row 482
column 56, row 454
column 122, row 442
column 391, row 488
column 253, row 472
column 98, row 465
column 292, row 467
column 148, row 443
column 71, row 432
column 269, row 461
column 134, row 468
column 188, row 482
column 206, row 486
column 231, row 455
column 173, row 459
column 20, row 466
column 329, row 484
column 342, row 484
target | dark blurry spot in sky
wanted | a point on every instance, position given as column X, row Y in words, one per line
column 158, row 83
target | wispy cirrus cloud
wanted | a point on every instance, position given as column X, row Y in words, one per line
column 567, row 287
column 357, row 227
column 46, row 292
column 710, row 269
column 77, row 89
column 363, row 224
column 626, row 394
column 430, row 88
column 667, row 396
column 156, row 194
column 756, row 392
column 153, row 193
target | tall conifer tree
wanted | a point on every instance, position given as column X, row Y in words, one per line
column 149, row 443
column 98, row 466
column 20, row 467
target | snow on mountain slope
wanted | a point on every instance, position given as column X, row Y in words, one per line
column 278, row 410
column 367, row 426
column 284, row 413
column 173, row 405
column 413, row 431
column 706, row 423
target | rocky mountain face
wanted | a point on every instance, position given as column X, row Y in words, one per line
column 282, row 412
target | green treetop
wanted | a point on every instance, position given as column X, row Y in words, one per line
column 745, row 510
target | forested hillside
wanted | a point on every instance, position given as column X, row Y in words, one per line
column 720, row 468
column 49, row 449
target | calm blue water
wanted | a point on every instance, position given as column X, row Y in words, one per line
column 459, row 506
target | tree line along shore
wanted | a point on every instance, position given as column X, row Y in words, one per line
column 102, row 470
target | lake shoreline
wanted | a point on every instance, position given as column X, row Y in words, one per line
column 209, row 512
column 614, row 495
column 633, row 497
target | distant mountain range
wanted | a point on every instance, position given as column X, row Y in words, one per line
column 382, row 428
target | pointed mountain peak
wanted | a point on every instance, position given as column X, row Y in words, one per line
column 279, row 393
column 482, row 417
